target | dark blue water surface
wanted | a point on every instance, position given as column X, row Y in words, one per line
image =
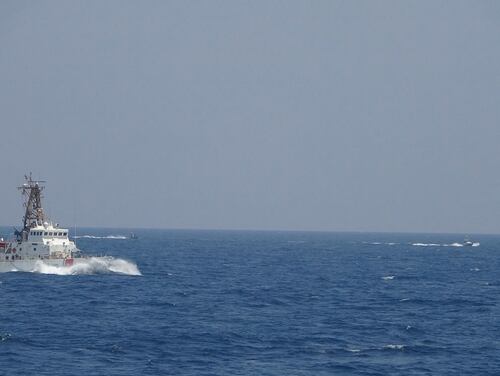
column 260, row 303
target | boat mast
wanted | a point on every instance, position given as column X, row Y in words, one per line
column 34, row 215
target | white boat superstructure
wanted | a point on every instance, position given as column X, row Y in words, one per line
column 45, row 241
column 40, row 240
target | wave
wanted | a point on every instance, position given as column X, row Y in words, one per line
column 119, row 237
column 388, row 278
column 353, row 350
column 399, row 347
column 394, row 347
column 91, row 265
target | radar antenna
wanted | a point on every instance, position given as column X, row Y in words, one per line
column 34, row 215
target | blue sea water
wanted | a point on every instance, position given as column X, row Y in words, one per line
column 260, row 303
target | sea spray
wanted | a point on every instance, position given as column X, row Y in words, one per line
column 91, row 265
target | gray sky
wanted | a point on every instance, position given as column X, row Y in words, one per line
column 314, row 115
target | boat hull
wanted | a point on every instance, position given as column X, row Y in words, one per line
column 33, row 265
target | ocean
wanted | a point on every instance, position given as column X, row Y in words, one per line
column 181, row 302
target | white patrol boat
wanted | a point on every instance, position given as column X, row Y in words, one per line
column 40, row 241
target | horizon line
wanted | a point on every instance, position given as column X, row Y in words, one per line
column 70, row 228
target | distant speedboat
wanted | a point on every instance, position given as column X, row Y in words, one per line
column 467, row 243
column 133, row 236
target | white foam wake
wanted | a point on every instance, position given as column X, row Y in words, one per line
column 119, row 237
column 443, row 245
column 92, row 265
column 380, row 243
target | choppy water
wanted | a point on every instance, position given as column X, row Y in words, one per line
column 258, row 303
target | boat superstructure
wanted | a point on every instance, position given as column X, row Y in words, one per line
column 40, row 240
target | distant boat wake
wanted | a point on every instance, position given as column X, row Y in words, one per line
column 116, row 237
column 91, row 266
column 443, row 245
column 476, row 244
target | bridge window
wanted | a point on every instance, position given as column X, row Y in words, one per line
column 46, row 233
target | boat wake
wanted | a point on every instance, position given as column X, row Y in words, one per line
column 443, row 245
column 116, row 237
column 380, row 243
column 92, row 265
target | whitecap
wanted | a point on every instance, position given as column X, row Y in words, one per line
column 388, row 278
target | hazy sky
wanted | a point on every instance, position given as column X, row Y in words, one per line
column 314, row 115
